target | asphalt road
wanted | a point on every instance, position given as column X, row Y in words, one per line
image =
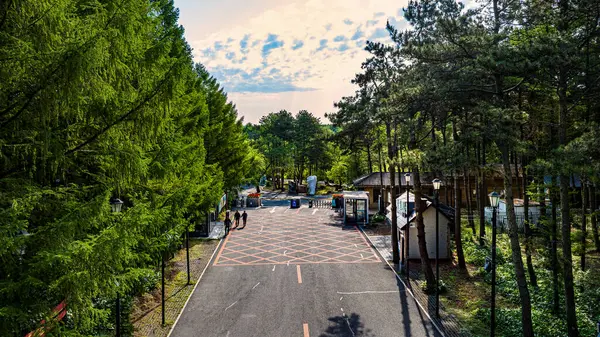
column 299, row 273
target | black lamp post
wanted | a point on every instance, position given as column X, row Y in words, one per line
column 187, row 251
column 162, row 295
column 494, row 201
column 115, row 205
column 436, row 194
column 407, row 178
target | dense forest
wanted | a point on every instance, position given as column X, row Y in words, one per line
column 508, row 83
column 101, row 100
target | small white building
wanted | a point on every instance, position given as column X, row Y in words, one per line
column 446, row 219
column 519, row 205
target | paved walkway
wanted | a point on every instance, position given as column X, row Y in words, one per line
column 447, row 322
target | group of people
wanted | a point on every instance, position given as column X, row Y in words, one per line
column 236, row 217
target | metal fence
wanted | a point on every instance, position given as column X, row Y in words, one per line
column 502, row 219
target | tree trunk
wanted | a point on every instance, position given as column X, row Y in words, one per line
column 527, row 229
column 395, row 253
column 467, row 186
column 369, row 160
column 517, row 176
column 562, row 90
column 594, row 217
column 457, row 226
column 554, row 248
column 584, row 201
column 381, row 189
column 482, row 195
column 419, row 208
column 513, row 233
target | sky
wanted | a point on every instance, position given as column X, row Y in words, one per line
column 293, row 55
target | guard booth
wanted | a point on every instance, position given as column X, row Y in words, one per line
column 356, row 207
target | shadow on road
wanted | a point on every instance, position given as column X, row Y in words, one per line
column 347, row 326
column 406, row 313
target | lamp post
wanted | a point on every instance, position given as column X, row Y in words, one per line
column 115, row 205
column 162, row 282
column 494, row 201
column 407, row 178
column 187, row 251
column 436, row 194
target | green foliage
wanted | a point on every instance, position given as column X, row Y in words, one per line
column 101, row 100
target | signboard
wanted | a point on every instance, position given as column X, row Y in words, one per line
column 222, row 203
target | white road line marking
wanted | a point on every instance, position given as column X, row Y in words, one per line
column 228, row 333
column 361, row 256
column 355, row 245
column 368, row 292
column 273, row 268
column 284, row 252
column 341, row 298
column 288, row 263
column 232, row 304
column 286, row 210
column 255, row 285
column 299, row 274
column 342, row 309
column 273, row 210
column 315, row 211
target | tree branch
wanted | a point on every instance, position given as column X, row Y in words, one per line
column 126, row 115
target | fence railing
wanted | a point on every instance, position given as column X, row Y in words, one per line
column 502, row 219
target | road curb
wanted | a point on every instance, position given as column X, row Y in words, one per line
column 196, row 285
column 407, row 289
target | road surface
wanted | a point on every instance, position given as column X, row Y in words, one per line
column 299, row 272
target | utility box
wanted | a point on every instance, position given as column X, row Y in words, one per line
column 295, row 203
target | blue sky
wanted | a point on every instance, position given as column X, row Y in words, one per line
column 272, row 55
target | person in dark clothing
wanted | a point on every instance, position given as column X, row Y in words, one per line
column 244, row 218
column 236, row 216
column 227, row 225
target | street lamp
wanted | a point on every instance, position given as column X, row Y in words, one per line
column 436, row 194
column 115, row 205
column 494, row 201
column 407, row 178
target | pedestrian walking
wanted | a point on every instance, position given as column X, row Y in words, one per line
column 244, row 218
column 236, row 216
column 227, row 224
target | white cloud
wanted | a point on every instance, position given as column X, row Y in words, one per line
column 328, row 70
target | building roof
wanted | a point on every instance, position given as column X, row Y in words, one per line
column 355, row 195
column 492, row 171
column 374, row 179
column 520, row 202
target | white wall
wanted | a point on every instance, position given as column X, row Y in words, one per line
column 429, row 222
